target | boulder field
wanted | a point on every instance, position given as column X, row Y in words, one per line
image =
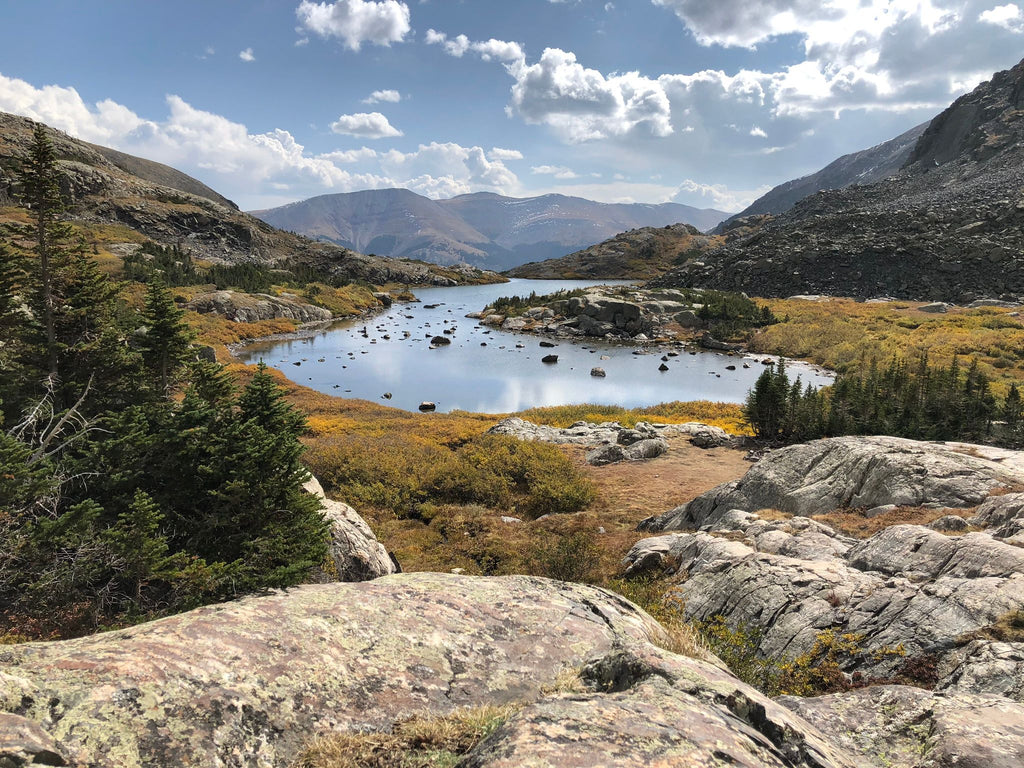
column 609, row 442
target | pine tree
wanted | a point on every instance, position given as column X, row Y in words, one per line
column 40, row 189
column 281, row 530
column 138, row 547
column 12, row 324
column 166, row 342
column 1012, row 411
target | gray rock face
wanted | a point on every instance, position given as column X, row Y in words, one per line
column 355, row 551
column 251, row 308
column 866, row 472
column 985, row 666
column 636, row 451
column 907, row 586
column 23, row 743
column 901, row 727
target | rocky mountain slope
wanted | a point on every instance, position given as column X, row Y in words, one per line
column 948, row 226
column 864, row 167
column 105, row 187
column 483, row 229
column 639, row 253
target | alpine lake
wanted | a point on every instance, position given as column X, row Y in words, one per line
column 487, row 370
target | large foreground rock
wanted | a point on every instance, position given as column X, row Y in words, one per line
column 248, row 683
column 866, row 472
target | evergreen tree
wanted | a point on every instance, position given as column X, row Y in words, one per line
column 1012, row 411
column 40, row 189
column 12, row 324
column 139, row 549
column 766, row 404
column 166, row 342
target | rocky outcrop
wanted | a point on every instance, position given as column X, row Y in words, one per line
column 253, row 307
column 645, row 707
column 902, row 727
column 252, row 681
column 648, row 448
column 949, row 226
column 791, row 580
column 611, row 442
column 928, row 594
column 355, row 553
column 637, row 254
column 624, row 313
column 822, row 475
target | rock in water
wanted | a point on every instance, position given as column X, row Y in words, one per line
column 549, row 359
column 598, row 372
column 439, row 341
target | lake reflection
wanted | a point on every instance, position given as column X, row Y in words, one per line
column 483, row 370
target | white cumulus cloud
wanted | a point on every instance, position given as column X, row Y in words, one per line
column 369, row 125
column 446, row 169
column 497, row 153
column 357, row 21
column 247, row 55
column 389, row 96
column 558, row 171
column 1006, row 16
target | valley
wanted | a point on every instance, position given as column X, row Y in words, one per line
column 462, row 479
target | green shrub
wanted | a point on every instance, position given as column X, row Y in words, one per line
column 397, row 474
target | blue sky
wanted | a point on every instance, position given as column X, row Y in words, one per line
column 703, row 102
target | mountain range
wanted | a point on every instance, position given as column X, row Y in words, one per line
column 483, row 229
column 123, row 201
column 949, row 225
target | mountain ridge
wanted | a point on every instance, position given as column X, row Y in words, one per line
column 948, row 226
column 864, row 166
column 481, row 228
column 146, row 200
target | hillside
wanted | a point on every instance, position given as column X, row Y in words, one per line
column 121, row 200
column 864, row 167
column 639, row 253
column 949, row 226
column 482, row 229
